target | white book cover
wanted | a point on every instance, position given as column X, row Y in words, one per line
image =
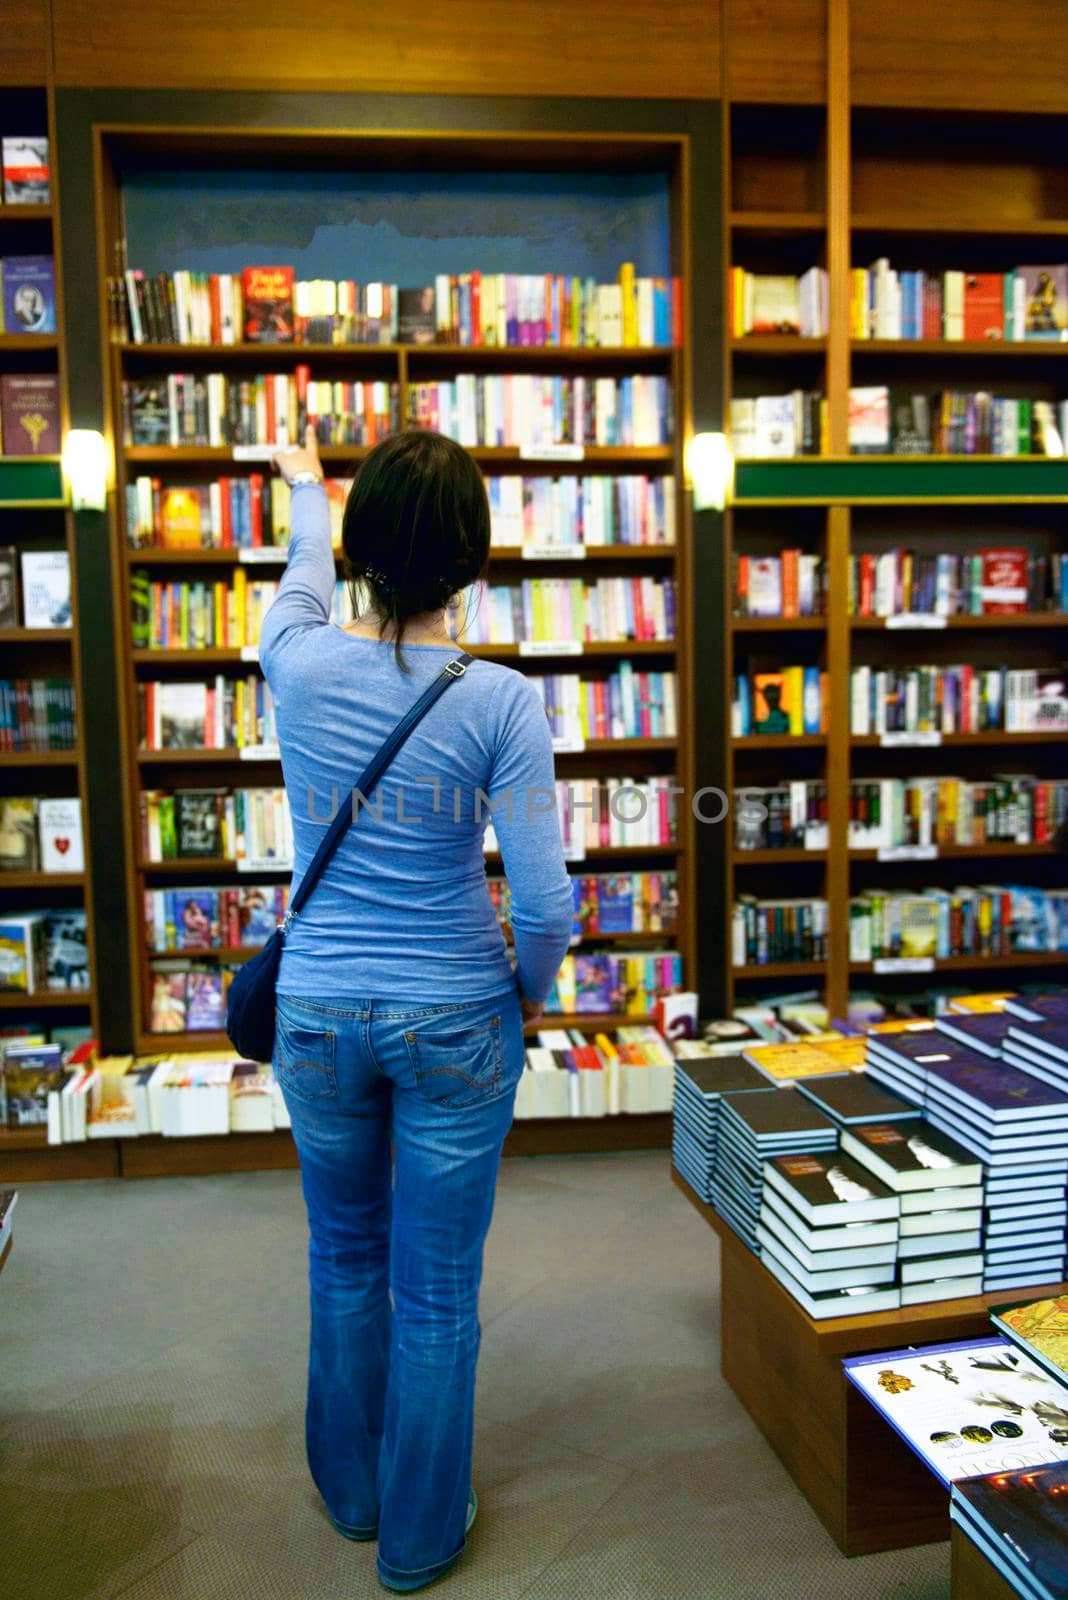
column 59, row 824
column 45, row 589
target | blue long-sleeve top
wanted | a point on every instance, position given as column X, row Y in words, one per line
column 403, row 908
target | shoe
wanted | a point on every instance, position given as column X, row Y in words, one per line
column 406, row 1586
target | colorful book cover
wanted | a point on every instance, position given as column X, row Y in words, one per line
column 59, row 823
column 18, row 835
column 415, row 316
column 205, row 1007
column 1025, row 1515
column 1045, row 301
column 259, row 916
column 268, row 297
column 26, row 171
column 29, row 294
column 593, row 985
column 969, row 1408
column 148, row 411
column 1041, row 1329
column 984, row 305
column 869, row 420
column 181, row 519
column 66, row 949
column 615, row 900
column 168, row 1007
column 196, row 919
column 1004, row 582
column 771, row 703
column 29, row 413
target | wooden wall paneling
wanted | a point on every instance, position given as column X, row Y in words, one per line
column 776, row 50
column 645, row 49
column 961, row 55
column 25, row 43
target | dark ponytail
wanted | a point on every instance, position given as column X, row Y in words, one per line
column 416, row 529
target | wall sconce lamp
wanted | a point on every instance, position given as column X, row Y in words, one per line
column 710, row 469
column 85, row 464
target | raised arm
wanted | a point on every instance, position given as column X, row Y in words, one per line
column 524, row 819
column 306, row 591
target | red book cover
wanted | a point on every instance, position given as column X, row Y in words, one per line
column 255, row 486
column 640, row 629
column 226, row 520
column 29, row 408
column 268, row 297
column 867, row 585
column 600, row 720
column 645, row 722
column 932, row 308
column 984, row 309
column 1004, row 581
column 216, row 308
column 789, row 583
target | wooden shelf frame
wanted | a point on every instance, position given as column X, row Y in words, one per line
column 221, row 148
column 834, row 228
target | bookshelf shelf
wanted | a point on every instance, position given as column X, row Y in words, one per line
column 28, row 341
column 788, row 856
column 989, row 226
column 966, row 852
column 995, row 348
column 781, row 969
column 873, row 741
column 39, row 758
column 47, row 1000
column 13, row 636
column 1034, row 958
column 781, row 344
column 1011, row 621
column 779, row 741
column 451, row 355
column 41, row 880
column 184, row 151
column 17, row 213
column 191, row 866
column 777, row 223
column 778, row 624
column 486, row 455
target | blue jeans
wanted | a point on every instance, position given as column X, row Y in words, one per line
column 390, row 1412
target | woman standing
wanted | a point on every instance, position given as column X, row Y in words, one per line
column 400, row 1020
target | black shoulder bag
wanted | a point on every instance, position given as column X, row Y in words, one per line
column 250, row 1004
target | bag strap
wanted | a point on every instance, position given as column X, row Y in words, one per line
column 369, row 777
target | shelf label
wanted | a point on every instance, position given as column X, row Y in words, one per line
column 256, row 452
column 259, row 752
column 907, row 852
column 550, row 647
column 554, row 552
column 565, row 746
column 915, row 619
column 575, row 852
column 904, row 964
column 262, row 555
column 263, row 864
column 551, row 452
column 250, row 652
column 905, row 741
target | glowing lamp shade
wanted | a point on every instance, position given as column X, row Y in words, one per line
column 710, row 469
column 85, row 463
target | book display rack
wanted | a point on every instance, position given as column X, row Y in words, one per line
column 46, row 928
column 839, row 187
column 162, row 767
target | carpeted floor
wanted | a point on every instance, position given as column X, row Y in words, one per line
column 152, row 1341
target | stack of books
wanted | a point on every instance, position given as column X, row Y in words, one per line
column 1019, row 1521
column 753, row 1128
column 940, row 1187
column 1037, row 1043
column 852, row 1098
column 699, row 1085
column 828, row 1231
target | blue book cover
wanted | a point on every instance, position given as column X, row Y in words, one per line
column 1026, row 1515
column 998, row 1089
column 616, row 904
column 29, row 294
column 985, row 1032
column 205, row 1011
column 1039, row 1007
column 1048, row 1038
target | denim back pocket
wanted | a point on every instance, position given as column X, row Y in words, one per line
column 304, row 1057
column 459, row 1068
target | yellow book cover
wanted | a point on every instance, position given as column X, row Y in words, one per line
column 180, row 519
column 239, row 636
column 980, row 1005
column 848, row 1054
column 795, row 695
column 919, row 926
column 1043, row 1324
column 565, row 984
column 786, row 1063
column 902, row 1025
column 240, row 698
column 630, row 309
column 858, row 304
column 219, row 597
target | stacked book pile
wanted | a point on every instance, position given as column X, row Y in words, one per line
column 699, row 1084
column 1036, row 1037
column 1012, row 1121
column 939, row 1184
column 1019, row 1521
column 852, row 1098
column 828, row 1231
column 756, row 1127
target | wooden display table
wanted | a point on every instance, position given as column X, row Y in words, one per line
column 5, row 1253
column 865, row 1484
column 974, row 1577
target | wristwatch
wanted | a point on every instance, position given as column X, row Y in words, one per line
column 306, row 476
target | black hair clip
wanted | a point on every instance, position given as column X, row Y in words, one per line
column 378, row 579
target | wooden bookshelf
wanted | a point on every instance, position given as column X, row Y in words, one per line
column 233, row 150
column 35, row 515
column 978, row 191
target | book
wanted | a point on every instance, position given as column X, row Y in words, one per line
column 268, row 298
column 9, row 587
column 1004, row 580
column 205, row 1002
column 66, row 949
column 1019, row 1521
column 416, row 315
column 29, row 294
column 1040, row 1329
column 1045, row 294
column 26, row 170
column 182, row 711
column 966, row 1408
column 181, row 519
column 46, row 589
column 198, row 823
column 852, row 1098
column 869, row 420
column 825, row 1275
column 984, row 305
column 19, row 848
column 848, row 1302
column 59, row 823
column 911, row 1156
column 29, row 413
column 23, row 967
column 830, row 1189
